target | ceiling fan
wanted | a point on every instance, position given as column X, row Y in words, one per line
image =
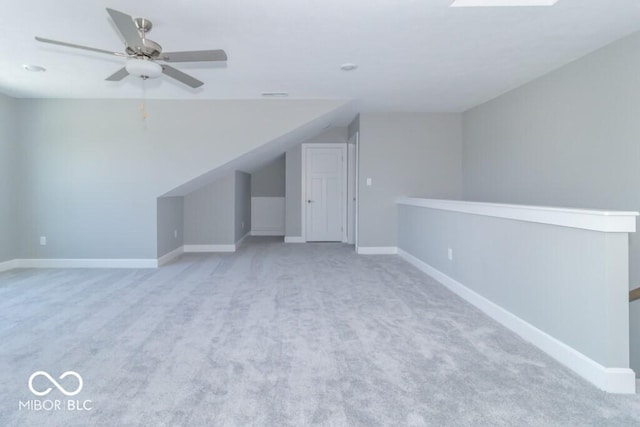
column 142, row 53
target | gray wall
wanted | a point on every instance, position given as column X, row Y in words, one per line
column 209, row 214
column 170, row 224
column 405, row 154
column 214, row 214
column 242, row 215
column 335, row 135
column 269, row 181
column 91, row 170
column 570, row 138
column 8, row 178
column 515, row 264
column 293, row 192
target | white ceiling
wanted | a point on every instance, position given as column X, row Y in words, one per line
column 413, row 55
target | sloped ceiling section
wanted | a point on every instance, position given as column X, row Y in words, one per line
column 235, row 134
column 255, row 157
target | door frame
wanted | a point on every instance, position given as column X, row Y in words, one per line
column 352, row 192
column 303, row 199
column 357, row 137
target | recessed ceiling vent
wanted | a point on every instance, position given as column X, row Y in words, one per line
column 34, row 68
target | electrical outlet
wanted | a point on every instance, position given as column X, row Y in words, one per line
column 43, row 240
column 243, row 225
column 175, row 234
column 450, row 254
column 369, row 182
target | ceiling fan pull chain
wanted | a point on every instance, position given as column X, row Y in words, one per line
column 143, row 109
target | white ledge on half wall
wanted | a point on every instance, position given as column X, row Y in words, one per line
column 587, row 219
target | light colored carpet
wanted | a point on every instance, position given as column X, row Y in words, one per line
column 277, row 335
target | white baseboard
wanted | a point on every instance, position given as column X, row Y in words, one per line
column 116, row 263
column 8, row 265
column 209, row 248
column 271, row 232
column 377, row 250
column 294, row 239
column 612, row 380
column 86, row 263
column 170, row 256
column 242, row 240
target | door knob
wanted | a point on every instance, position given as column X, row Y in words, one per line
column 309, row 201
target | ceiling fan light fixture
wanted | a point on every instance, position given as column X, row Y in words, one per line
column 143, row 68
column 142, row 52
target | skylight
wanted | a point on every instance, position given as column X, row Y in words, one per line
column 495, row 3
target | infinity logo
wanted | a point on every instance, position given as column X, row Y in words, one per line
column 54, row 382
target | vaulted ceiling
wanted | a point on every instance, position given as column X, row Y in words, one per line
column 412, row 55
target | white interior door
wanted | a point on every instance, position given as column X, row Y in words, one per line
column 325, row 210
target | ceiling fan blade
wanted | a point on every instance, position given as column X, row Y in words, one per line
column 195, row 56
column 181, row 77
column 77, row 46
column 127, row 28
column 118, row 75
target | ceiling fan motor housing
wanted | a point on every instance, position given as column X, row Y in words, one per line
column 149, row 49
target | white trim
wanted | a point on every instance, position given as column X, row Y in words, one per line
column 294, row 239
column 303, row 192
column 170, row 256
column 8, row 265
column 209, row 248
column 352, row 184
column 588, row 219
column 345, row 193
column 612, row 380
column 267, row 232
column 377, row 250
column 357, row 184
column 86, row 263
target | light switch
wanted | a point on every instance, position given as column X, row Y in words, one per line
column 369, row 182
